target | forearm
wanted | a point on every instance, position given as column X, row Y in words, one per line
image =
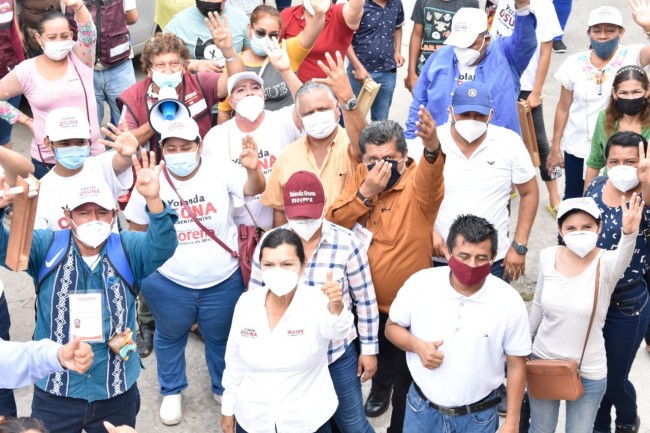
column 401, row 337
column 352, row 13
column 14, row 164
column 279, row 218
column 590, row 175
column 28, row 362
column 542, row 66
column 292, row 81
column 155, row 205
column 516, row 386
column 143, row 133
column 313, row 27
column 354, row 124
column 255, row 183
column 352, row 57
column 87, row 32
column 414, row 48
column 560, row 121
column 527, row 211
column 397, row 39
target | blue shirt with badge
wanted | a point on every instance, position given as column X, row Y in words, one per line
column 374, row 42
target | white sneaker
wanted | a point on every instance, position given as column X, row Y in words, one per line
column 171, row 412
column 218, row 398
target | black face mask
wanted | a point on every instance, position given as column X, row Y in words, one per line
column 631, row 107
column 394, row 174
column 205, row 7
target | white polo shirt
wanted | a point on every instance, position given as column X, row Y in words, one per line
column 280, row 377
column 481, row 184
column 478, row 332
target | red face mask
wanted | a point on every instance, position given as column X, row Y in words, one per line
column 468, row 275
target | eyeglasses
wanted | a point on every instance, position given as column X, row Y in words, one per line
column 174, row 65
column 260, row 33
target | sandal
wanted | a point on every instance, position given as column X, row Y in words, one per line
column 145, row 340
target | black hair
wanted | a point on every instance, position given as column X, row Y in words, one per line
column 625, row 139
column 49, row 16
column 613, row 113
column 279, row 237
column 560, row 221
column 381, row 132
column 20, row 425
column 474, row 230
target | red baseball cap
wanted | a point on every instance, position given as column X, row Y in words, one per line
column 304, row 196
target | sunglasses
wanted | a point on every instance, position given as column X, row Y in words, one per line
column 260, row 33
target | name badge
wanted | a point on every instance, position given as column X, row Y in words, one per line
column 363, row 234
column 86, row 317
column 198, row 107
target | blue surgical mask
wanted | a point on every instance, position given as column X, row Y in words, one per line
column 604, row 50
column 72, row 157
column 163, row 80
column 181, row 164
column 258, row 44
column 394, row 173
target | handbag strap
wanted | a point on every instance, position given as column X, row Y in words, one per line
column 192, row 215
column 593, row 312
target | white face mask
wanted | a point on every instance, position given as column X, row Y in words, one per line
column 279, row 280
column 93, row 233
column 57, row 50
column 319, row 124
column 468, row 56
column 166, row 80
column 471, row 130
column 581, row 243
column 305, row 228
column 250, row 107
column 623, row 177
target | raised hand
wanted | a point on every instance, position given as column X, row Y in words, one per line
column 376, row 180
column 76, row 356
column 430, row 356
column 334, row 293
column 632, row 214
column 426, row 130
column 124, row 142
column 641, row 13
column 643, row 169
column 277, row 55
column 320, row 6
column 337, row 77
column 147, row 174
column 249, row 158
column 220, row 31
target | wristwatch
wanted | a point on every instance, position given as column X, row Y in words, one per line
column 519, row 248
column 365, row 200
column 350, row 105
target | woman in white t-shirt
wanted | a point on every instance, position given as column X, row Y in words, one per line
column 563, row 304
column 586, row 79
column 276, row 376
column 201, row 282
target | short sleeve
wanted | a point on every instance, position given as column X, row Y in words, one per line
column 417, row 16
column 517, row 340
column 401, row 20
column 297, row 53
column 598, row 141
column 564, row 72
column 129, row 5
column 522, row 167
column 400, row 309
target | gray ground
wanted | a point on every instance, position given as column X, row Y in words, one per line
column 201, row 413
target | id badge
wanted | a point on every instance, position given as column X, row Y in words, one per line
column 363, row 235
column 86, row 317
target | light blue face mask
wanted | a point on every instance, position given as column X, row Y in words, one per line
column 181, row 164
column 258, row 44
column 72, row 157
column 163, row 80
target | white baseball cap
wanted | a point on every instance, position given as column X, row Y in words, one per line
column 66, row 123
column 246, row 75
column 466, row 25
column 185, row 128
column 605, row 15
column 585, row 204
column 97, row 192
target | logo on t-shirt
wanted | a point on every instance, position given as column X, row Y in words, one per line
column 207, row 50
column 295, row 332
column 248, row 333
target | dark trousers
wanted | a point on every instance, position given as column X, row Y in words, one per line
column 7, row 401
column 325, row 428
column 540, row 132
column 574, row 182
column 392, row 371
column 41, row 168
column 72, row 415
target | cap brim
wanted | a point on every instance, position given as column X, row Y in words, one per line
column 461, row 109
column 80, row 136
column 103, row 203
column 246, row 75
column 312, row 211
column 460, row 40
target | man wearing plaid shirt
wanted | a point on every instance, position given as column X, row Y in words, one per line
column 332, row 247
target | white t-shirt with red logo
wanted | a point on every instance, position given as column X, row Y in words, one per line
column 276, row 131
column 199, row 262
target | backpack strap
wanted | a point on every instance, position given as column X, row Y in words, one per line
column 120, row 262
column 55, row 254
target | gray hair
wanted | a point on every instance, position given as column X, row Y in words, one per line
column 310, row 86
column 381, row 132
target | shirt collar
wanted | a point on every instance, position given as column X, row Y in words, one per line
column 451, row 294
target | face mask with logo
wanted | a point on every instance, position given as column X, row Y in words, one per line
column 166, row 80
column 319, row 124
column 631, row 107
column 93, row 233
column 58, row 50
column 581, row 243
column 470, row 129
column 467, row 275
column 204, row 7
column 72, row 157
column 604, row 50
column 394, row 172
column 258, row 44
column 181, row 164
column 250, row 107
column 306, row 228
column 623, row 177
column 279, row 280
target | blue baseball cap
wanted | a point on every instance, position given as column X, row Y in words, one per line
column 472, row 96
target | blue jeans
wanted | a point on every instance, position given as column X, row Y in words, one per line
column 574, row 182
column 72, row 415
column 109, row 84
column 562, row 9
column 349, row 416
column 422, row 418
column 175, row 309
column 625, row 325
column 6, row 127
column 381, row 105
column 7, row 401
column 580, row 414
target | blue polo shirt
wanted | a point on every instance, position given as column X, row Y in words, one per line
column 374, row 42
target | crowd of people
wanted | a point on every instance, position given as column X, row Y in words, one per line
column 238, row 192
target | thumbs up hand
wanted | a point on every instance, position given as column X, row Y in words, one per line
column 334, row 292
column 76, row 356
